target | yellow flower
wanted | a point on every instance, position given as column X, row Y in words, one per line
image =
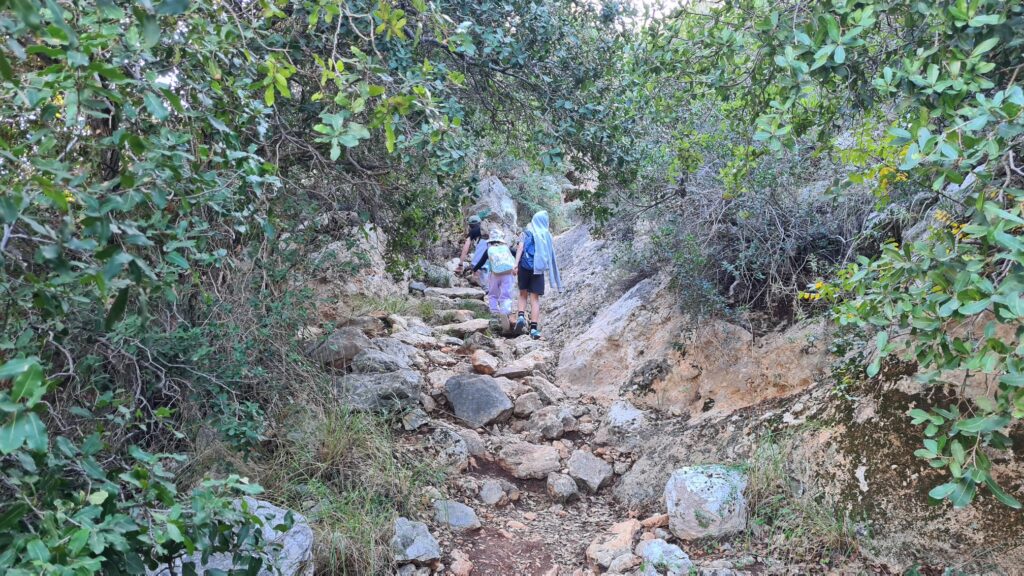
column 69, row 197
column 818, row 285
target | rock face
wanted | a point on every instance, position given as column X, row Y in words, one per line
column 616, row 542
column 413, row 542
column 455, row 515
column 524, row 460
column 706, row 501
column 665, row 558
column 493, row 198
column 454, row 450
column 477, row 400
column 290, row 555
column 386, row 392
column 589, row 470
column 340, row 347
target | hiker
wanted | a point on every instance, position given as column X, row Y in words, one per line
column 474, row 240
column 535, row 256
column 501, row 278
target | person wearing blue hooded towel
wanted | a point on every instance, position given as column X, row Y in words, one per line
column 535, row 258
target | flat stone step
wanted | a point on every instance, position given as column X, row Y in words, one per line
column 456, row 292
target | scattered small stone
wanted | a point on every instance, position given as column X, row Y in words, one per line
column 492, row 493
column 413, row 542
column 531, row 516
column 414, row 419
column 617, row 541
column 562, row 488
column 455, row 515
column 552, row 422
column 527, row 404
column 484, row 363
column 623, row 564
column 668, row 559
column 461, row 566
column 589, row 470
column 524, row 460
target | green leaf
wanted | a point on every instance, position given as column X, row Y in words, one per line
column 172, row 7
column 1000, row 494
column 155, row 106
column 985, row 20
column 116, row 310
column 150, row 29
column 17, row 366
column 839, row 55
column 37, row 551
column 874, row 367
column 985, row 46
column 942, row 490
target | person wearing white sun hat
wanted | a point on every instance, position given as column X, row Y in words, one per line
column 501, row 281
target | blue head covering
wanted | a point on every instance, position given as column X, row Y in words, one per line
column 544, row 256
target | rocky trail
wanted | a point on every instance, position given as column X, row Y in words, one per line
column 531, row 468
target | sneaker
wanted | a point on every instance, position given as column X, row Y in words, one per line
column 535, row 334
column 520, row 323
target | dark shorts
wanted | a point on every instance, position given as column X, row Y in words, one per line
column 532, row 283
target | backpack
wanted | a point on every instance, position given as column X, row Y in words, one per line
column 500, row 259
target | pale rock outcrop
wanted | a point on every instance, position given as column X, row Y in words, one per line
column 494, row 198
column 665, row 558
column 616, row 542
column 706, row 501
column 589, row 470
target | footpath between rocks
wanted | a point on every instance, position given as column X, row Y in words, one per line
column 530, row 466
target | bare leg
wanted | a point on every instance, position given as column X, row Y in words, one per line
column 522, row 301
column 535, row 308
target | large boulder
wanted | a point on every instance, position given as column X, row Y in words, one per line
column 477, row 400
column 413, row 542
column 589, row 470
column 706, row 501
column 384, row 355
column 390, row 391
column 340, row 348
column 435, row 275
column 623, row 427
column 524, row 460
column 495, row 202
column 288, row 553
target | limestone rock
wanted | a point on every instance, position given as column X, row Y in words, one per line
column 552, row 422
column 706, row 501
column 474, row 443
column 477, row 400
column 434, row 275
column 589, row 470
column 484, row 363
column 464, row 329
column 562, row 488
column 494, row 199
column 461, row 565
column 623, row 564
column 666, row 558
column 455, row 515
column 387, row 392
column 524, row 460
column 457, row 292
column 340, row 347
column 527, row 404
column 414, row 419
column 617, row 541
column 493, row 493
column 413, row 542
column 454, row 451
column 524, row 366
column 548, row 392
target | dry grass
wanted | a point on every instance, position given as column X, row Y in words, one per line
column 797, row 525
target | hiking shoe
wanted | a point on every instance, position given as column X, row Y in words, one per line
column 535, row 334
column 520, row 323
